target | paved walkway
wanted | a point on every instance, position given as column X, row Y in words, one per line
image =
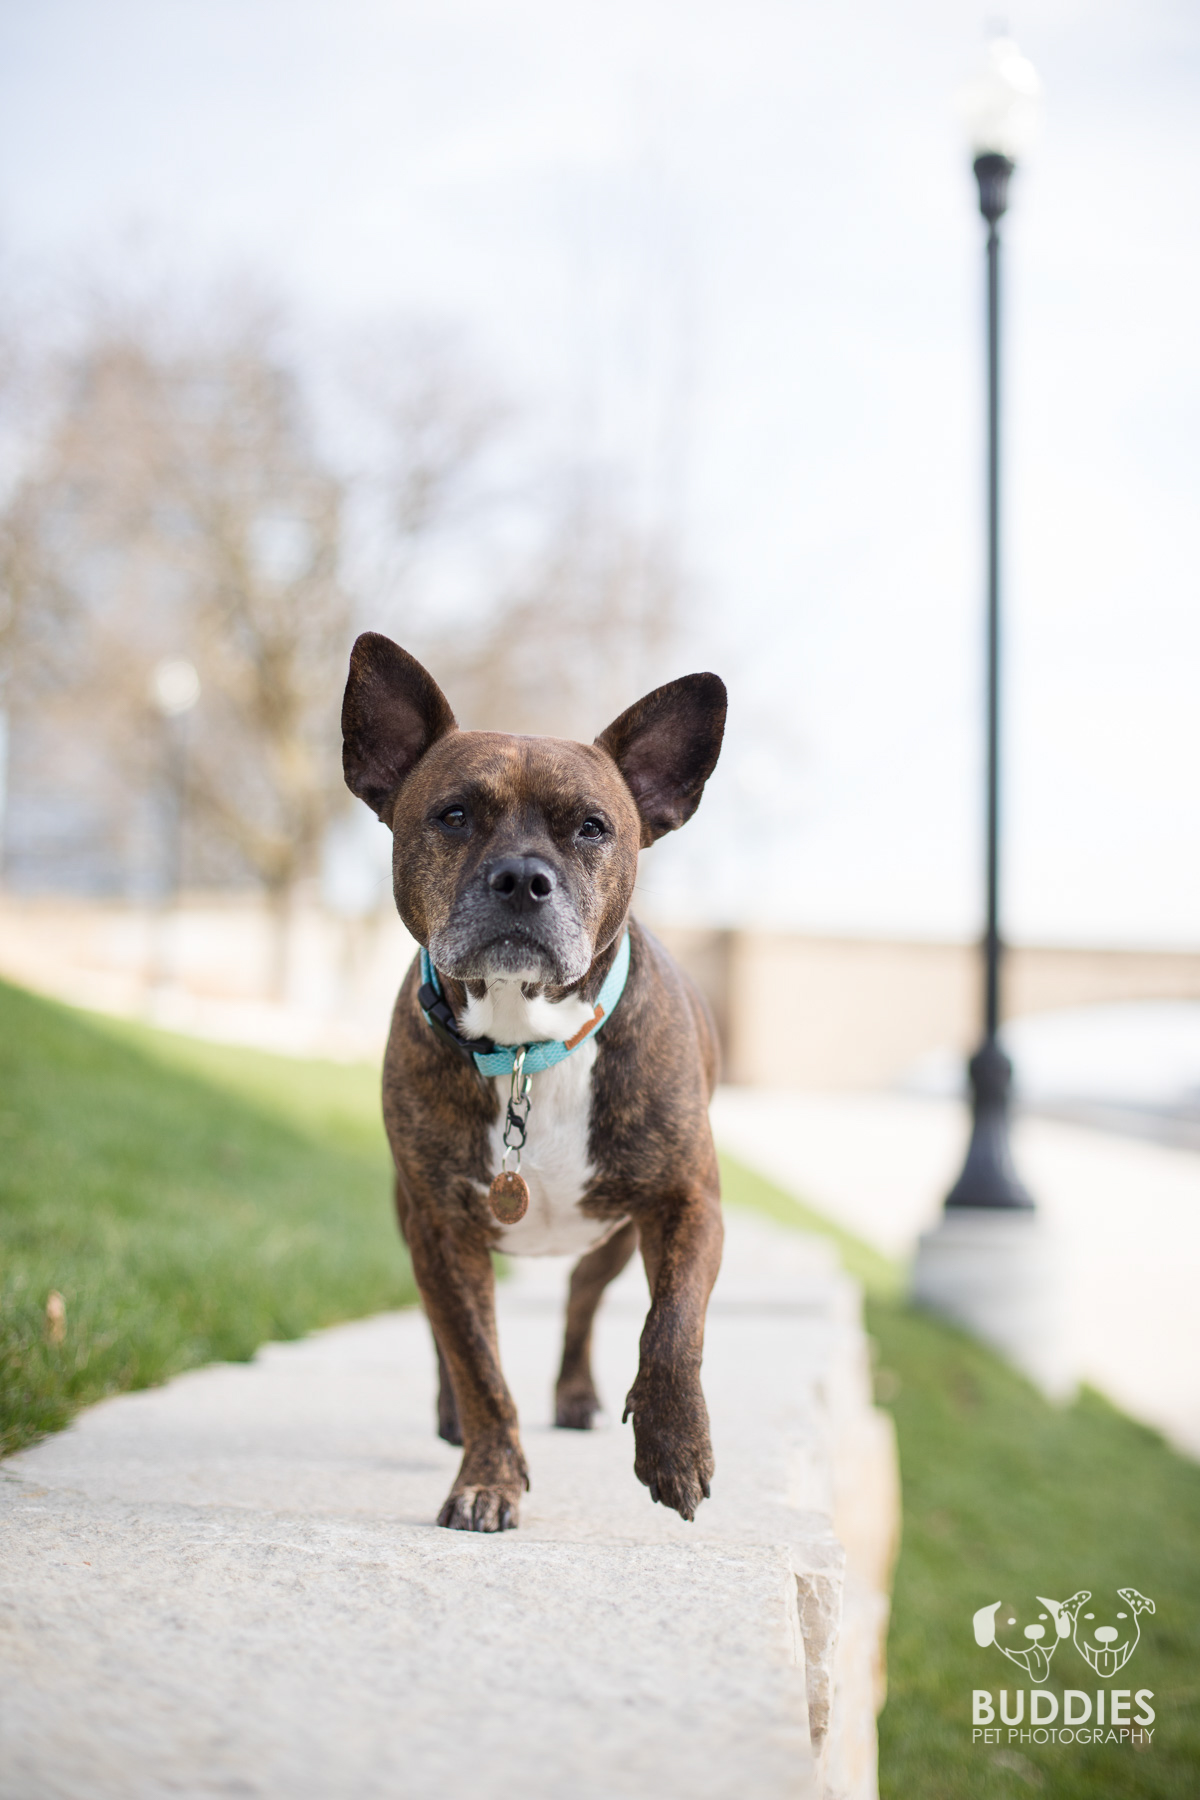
column 232, row 1585
column 1126, row 1214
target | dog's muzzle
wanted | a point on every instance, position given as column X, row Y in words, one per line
column 516, row 919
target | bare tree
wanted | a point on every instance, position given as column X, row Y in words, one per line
column 33, row 600
column 178, row 501
column 588, row 625
column 563, row 603
column 434, row 416
column 258, row 544
column 179, row 506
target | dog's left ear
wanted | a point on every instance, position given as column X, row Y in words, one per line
column 984, row 1622
column 666, row 746
column 392, row 712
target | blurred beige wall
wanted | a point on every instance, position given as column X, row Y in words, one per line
column 208, row 966
column 813, row 1012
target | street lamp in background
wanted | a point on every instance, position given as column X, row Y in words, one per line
column 987, row 1264
column 1000, row 107
column 174, row 691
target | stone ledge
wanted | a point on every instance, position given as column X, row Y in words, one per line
column 233, row 1584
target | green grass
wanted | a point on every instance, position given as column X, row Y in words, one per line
column 1006, row 1496
column 188, row 1201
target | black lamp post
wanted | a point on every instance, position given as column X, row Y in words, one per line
column 1001, row 108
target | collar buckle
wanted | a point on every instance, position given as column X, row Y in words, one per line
column 444, row 1025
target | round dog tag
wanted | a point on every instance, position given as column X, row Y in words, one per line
column 508, row 1197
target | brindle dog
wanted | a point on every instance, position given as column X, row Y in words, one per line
column 514, row 863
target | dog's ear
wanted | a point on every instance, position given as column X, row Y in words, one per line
column 1138, row 1602
column 666, row 746
column 1058, row 1612
column 985, row 1624
column 393, row 710
column 1072, row 1606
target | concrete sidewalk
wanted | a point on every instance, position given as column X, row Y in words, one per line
column 1126, row 1214
column 232, row 1585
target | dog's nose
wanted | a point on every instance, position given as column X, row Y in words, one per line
column 1106, row 1633
column 1035, row 1632
column 522, row 882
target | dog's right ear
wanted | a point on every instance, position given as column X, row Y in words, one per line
column 666, row 746
column 392, row 712
column 985, row 1624
column 1071, row 1607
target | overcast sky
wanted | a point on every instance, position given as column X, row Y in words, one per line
column 733, row 244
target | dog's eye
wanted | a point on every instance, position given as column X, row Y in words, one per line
column 454, row 816
column 592, row 829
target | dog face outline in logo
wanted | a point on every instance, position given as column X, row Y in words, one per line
column 1107, row 1647
column 1024, row 1647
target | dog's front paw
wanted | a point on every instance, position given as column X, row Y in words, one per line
column 487, row 1490
column 480, row 1509
column 673, row 1452
column 576, row 1406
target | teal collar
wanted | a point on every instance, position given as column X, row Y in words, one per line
column 498, row 1059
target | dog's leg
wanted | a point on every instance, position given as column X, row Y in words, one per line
column 576, row 1402
column 682, row 1253
column 448, row 1426
column 447, row 1406
column 454, row 1274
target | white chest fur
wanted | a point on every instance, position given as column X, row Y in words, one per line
column 555, row 1161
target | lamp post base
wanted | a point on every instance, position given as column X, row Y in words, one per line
column 990, row 1265
column 995, row 1272
column 988, row 1178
